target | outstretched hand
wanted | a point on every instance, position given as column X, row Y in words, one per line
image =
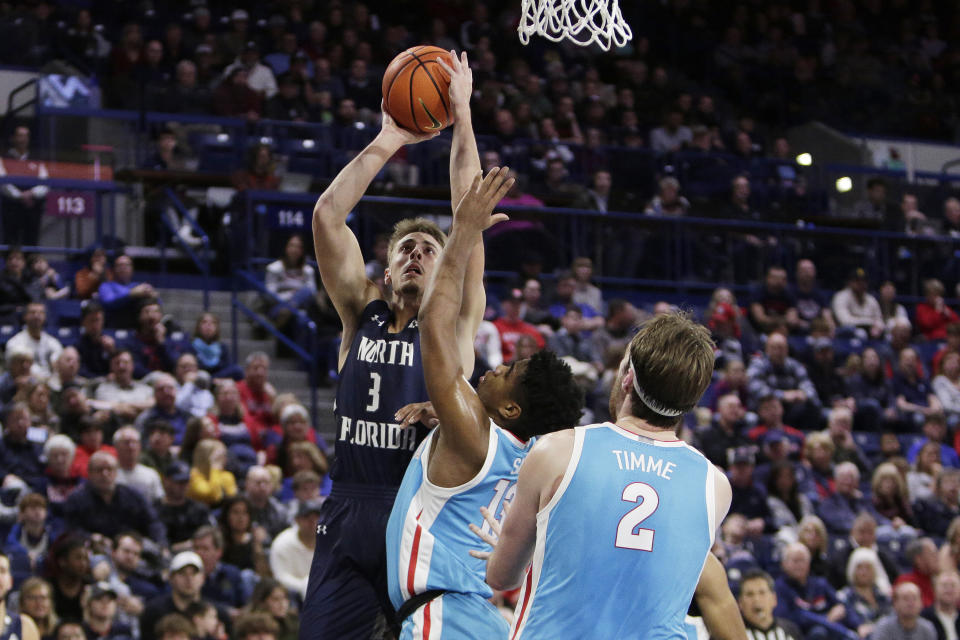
column 417, row 412
column 476, row 207
column 398, row 134
column 491, row 538
column 461, row 78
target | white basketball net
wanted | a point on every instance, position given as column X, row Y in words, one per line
column 584, row 22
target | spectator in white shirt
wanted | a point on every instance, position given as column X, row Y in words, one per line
column 130, row 472
column 44, row 347
column 853, row 307
column 259, row 76
column 291, row 553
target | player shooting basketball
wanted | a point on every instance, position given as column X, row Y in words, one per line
column 380, row 372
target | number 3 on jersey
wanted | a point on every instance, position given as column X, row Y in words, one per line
column 374, row 392
column 642, row 540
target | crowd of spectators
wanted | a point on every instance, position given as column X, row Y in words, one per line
column 151, row 486
column 186, row 484
column 834, row 413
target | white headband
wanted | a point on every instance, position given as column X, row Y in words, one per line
column 654, row 406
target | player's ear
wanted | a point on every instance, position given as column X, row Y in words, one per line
column 627, row 382
column 509, row 410
column 386, row 276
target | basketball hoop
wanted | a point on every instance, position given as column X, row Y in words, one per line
column 584, row 22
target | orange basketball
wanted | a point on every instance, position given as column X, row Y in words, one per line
column 416, row 90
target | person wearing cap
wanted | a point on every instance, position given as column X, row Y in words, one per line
column 289, row 103
column 179, row 514
column 747, row 498
column 259, row 76
column 233, row 42
column 511, row 326
column 102, row 506
column 854, row 308
column 292, row 550
column 100, row 613
column 186, row 584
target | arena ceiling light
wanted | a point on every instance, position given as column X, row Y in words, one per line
column 804, row 159
column 844, row 184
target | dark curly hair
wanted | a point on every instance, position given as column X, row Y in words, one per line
column 548, row 396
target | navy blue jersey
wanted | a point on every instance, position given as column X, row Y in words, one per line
column 12, row 629
column 382, row 373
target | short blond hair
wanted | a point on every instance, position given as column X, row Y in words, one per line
column 818, row 439
column 414, row 225
column 672, row 358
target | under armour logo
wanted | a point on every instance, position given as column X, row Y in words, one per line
column 321, row 529
column 414, row 324
column 376, row 318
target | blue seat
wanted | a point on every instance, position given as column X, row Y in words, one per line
column 309, row 156
column 7, row 331
column 907, row 440
column 868, row 442
column 68, row 336
column 218, row 153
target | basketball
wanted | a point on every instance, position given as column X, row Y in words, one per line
column 416, row 90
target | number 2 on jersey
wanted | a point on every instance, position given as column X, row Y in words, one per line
column 642, row 540
column 374, row 391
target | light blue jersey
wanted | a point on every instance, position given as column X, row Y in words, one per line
column 621, row 545
column 428, row 543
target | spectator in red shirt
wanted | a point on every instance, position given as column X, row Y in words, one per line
column 511, row 327
column 933, row 315
column 257, row 394
column 922, row 554
column 952, row 346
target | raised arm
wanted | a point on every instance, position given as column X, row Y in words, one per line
column 461, row 444
column 338, row 252
column 464, row 165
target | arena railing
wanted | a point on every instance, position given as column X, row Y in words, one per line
column 679, row 244
column 307, row 354
column 201, row 259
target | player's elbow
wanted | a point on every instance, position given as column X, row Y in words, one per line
column 499, row 580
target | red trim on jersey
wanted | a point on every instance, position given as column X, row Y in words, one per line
column 426, row 621
column 412, row 569
column 526, row 601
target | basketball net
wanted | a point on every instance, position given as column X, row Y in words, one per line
column 583, row 22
